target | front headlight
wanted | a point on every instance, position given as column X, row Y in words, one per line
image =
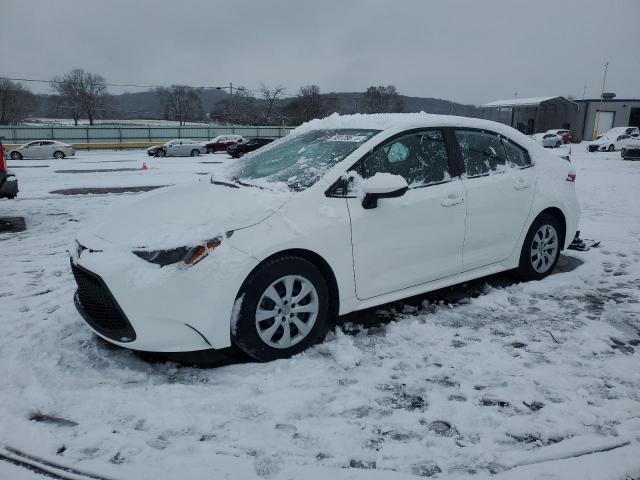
column 188, row 255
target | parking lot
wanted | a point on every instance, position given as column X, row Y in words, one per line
column 478, row 379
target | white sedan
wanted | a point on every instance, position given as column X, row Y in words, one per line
column 609, row 142
column 42, row 149
column 551, row 140
column 343, row 214
column 181, row 147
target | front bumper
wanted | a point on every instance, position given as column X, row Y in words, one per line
column 168, row 309
column 630, row 153
column 10, row 187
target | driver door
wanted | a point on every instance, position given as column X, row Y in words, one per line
column 418, row 237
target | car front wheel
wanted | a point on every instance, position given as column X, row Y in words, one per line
column 160, row 153
column 283, row 309
column 611, row 148
column 541, row 249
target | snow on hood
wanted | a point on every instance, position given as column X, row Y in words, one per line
column 186, row 215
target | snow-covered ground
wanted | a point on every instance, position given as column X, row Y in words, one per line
column 534, row 380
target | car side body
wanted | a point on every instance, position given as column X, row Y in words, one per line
column 181, row 147
column 454, row 227
column 222, row 142
column 239, row 149
column 42, row 149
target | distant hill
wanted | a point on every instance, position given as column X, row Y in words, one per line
column 147, row 105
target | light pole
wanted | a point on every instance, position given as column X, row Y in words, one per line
column 604, row 80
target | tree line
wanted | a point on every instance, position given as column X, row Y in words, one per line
column 83, row 95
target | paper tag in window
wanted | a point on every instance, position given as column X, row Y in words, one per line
column 347, row 138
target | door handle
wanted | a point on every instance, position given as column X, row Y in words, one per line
column 521, row 184
column 451, row 200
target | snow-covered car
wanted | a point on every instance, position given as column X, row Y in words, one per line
column 343, row 214
column 222, row 142
column 631, row 150
column 609, row 142
column 181, row 147
column 42, row 149
column 551, row 140
column 563, row 133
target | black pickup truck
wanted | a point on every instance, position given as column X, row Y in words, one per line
column 8, row 181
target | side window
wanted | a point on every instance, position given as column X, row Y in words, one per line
column 420, row 157
column 517, row 156
column 482, row 152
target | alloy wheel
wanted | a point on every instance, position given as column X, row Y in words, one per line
column 287, row 311
column 544, row 248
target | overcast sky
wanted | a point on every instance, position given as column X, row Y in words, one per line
column 469, row 51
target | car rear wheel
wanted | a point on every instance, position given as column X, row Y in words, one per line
column 283, row 310
column 541, row 248
column 211, row 150
column 195, row 152
column 611, row 148
column 58, row 155
column 16, row 156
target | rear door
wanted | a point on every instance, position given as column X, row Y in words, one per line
column 500, row 185
column 47, row 148
column 418, row 237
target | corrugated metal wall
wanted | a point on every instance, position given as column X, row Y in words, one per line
column 100, row 134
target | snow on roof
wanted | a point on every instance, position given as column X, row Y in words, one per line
column 384, row 121
column 520, row 102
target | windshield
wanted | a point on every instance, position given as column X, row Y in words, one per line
column 301, row 160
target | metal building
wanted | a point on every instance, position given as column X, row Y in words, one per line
column 614, row 112
column 535, row 115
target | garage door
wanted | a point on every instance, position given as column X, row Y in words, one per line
column 606, row 122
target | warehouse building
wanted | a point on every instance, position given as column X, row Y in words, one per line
column 614, row 112
column 537, row 115
column 534, row 115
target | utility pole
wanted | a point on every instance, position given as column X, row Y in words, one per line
column 604, row 80
column 231, row 88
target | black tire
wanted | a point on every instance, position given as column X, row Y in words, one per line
column 58, row 155
column 558, row 144
column 195, row 152
column 160, row 153
column 211, row 150
column 526, row 269
column 16, row 156
column 611, row 148
column 245, row 332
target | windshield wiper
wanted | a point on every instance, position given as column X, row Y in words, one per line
column 226, row 184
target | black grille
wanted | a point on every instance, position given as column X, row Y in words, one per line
column 98, row 307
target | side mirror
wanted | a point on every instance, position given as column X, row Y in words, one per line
column 382, row 185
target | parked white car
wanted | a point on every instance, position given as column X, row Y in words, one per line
column 610, row 141
column 181, row 147
column 42, row 149
column 344, row 213
column 551, row 140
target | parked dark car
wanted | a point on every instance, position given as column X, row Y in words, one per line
column 631, row 151
column 8, row 181
column 238, row 150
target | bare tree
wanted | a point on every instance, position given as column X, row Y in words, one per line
column 270, row 95
column 383, row 99
column 310, row 103
column 181, row 103
column 81, row 93
column 241, row 108
column 15, row 102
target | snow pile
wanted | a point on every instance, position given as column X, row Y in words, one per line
column 505, row 381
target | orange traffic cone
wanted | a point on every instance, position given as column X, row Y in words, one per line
column 144, row 165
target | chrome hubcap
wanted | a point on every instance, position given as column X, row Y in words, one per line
column 544, row 248
column 287, row 311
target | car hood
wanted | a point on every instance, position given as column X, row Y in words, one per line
column 182, row 216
